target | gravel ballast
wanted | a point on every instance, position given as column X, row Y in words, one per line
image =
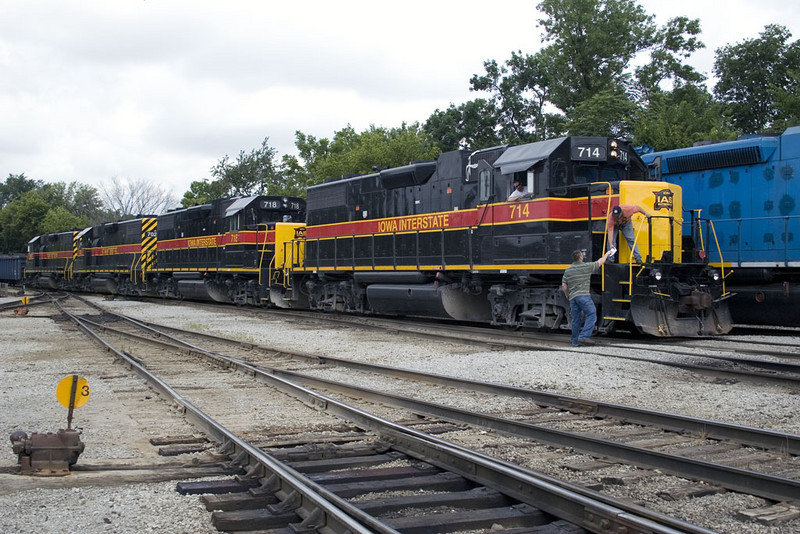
column 119, row 419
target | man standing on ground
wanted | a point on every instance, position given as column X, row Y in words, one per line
column 619, row 220
column 575, row 284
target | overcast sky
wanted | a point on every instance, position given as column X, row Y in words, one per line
column 162, row 89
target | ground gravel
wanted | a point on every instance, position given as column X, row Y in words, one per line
column 122, row 415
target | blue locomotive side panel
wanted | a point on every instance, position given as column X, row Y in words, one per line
column 750, row 190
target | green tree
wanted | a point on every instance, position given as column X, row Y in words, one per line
column 787, row 104
column 15, row 186
column 671, row 46
column 60, row 219
column 20, row 220
column 79, row 199
column 592, row 43
column 752, row 74
column 587, row 65
column 608, row 113
column 202, row 191
column 520, row 91
column 353, row 153
column 472, row 125
column 679, row 118
column 255, row 173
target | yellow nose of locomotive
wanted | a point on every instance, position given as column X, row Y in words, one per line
column 664, row 202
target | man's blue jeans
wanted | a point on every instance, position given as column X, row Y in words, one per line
column 577, row 305
column 630, row 236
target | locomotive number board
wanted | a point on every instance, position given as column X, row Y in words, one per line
column 588, row 153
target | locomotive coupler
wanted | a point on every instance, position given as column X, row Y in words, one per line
column 697, row 300
column 49, row 454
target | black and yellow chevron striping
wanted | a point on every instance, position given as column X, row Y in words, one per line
column 149, row 242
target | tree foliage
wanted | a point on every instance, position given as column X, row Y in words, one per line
column 592, row 43
column 15, row 186
column 680, row 118
column 32, row 207
column 520, row 91
column 753, row 74
column 608, row 113
column 21, row 219
column 252, row 173
column 584, row 79
column 472, row 125
column 353, row 153
column 787, row 104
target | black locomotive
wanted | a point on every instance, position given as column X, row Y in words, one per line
column 439, row 239
column 433, row 238
column 222, row 251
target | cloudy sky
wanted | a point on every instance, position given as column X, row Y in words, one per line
column 162, row 89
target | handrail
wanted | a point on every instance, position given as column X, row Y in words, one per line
column 740, row 223
column 719, row 251
column 132, row 268
column 263, row 251
column 609, row 194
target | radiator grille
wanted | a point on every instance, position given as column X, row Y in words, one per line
column 714, row 160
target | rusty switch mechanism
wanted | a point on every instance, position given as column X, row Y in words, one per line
column 49, row 454
column 52, row 454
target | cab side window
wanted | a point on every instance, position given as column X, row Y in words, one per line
column 484, row 185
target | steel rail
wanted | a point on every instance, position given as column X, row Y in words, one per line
column 755, row 437
column 578, row 505
column 526, row 341
column 745, row 481
column 315, row 503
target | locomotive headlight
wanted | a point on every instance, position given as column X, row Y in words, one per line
column 657, row 275
column 715, row 275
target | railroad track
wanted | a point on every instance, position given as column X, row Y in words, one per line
column 723, row 356
column 316, row 493
column 552, row 413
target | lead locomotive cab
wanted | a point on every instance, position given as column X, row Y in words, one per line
column 440, row 239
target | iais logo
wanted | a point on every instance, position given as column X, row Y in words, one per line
column 663, row 200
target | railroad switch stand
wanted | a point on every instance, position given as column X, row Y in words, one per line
column 52, row 454
column 49, row 454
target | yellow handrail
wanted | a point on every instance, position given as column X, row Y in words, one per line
column 609, row 193
column 263, row 251
column 721, row 260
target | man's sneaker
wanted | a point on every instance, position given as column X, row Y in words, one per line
column 586, row 341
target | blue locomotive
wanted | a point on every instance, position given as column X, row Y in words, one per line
column 749, row 190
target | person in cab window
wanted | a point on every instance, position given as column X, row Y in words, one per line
column 520, row 192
